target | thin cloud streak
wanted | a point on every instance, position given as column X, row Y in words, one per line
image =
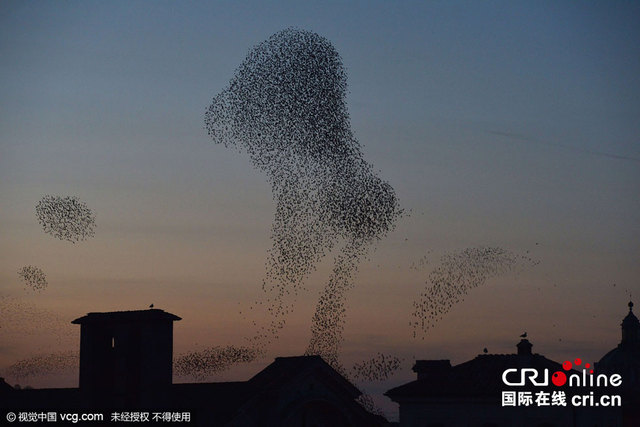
column 523, row 138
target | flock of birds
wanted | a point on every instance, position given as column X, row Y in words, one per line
column 202, row 364
column 44, row 364
column 23, row 319
column 285, row 107
column 456, row 274
column 33, row 277
column 66, row 218
column 378, row 368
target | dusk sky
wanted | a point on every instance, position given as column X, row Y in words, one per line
column 501, row 124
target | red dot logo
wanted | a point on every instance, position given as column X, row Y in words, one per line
column 558, row 379
column 567, row 365
column 578, row 361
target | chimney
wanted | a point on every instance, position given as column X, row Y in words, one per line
column 524, row 347
column 430, row 368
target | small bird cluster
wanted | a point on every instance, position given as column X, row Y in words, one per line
column 328, row 320
column 421, row 263
column 66, row 218
column 378, row 368
column 366, row 401
column 21, row 318
column 457, row 273
column 285, row 107
column 33, row 277
column 204, row 363
column 44, row 364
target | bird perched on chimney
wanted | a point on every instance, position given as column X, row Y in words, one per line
column 523, row 335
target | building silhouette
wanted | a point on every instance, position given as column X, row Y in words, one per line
column 126, row 365
column 625, row 360
column 126, row 357
column 470, row 394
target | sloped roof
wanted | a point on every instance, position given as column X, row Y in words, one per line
column 234, row 398
column 285, row 369
column 153, row 314
column 4, row 387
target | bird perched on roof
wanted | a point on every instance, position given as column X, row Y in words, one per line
column 523, row 335
column 151, row 306
column 485, row 351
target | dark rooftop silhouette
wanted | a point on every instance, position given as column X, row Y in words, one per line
column 126, row 316
column 477, row 377
column 470, row 393
column 126, row 364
